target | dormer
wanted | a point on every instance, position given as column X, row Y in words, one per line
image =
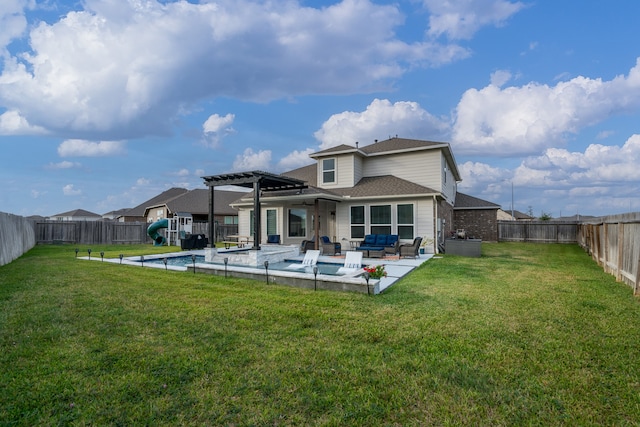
column 339, row 167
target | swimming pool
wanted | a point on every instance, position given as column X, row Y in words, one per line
column 327, row 268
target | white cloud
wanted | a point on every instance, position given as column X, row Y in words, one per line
column 216, row 127
column 12, row 123
column 82, row 148
column 500, row 77
column 70, row 190
column 123, row 69
column 295, row 159
column 597, row 165
column 250, row 160
column 461, row 19
column 477, row 174
column 380, row 120
column 12, row 21
column 605, row 134
column 602, row 178
column 182, row 172
column 64, row 165
column 142, row 182
column 531, row 118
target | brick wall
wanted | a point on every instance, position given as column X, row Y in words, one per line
column 477, row 223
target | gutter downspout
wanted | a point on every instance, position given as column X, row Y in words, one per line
column 435, row 225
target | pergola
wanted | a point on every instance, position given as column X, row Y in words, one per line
column 260, row 182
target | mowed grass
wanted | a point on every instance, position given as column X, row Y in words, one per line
column 526, row 335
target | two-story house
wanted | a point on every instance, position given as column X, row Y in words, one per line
column 397, row 186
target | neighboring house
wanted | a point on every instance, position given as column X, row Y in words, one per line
column 477, row 217
column 196, row 202
column 138, row 213
column 397, row 186
column 115, row 215
column 506, row 215
column 76, row 215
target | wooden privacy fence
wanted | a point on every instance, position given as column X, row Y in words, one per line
column 538, row 231
column 109, row 232
column 614, row 243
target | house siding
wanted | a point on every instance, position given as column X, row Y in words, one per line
column 448, row 182
column 422, row 167
column 424, row 219
column 478, row 223
column 345, row 172
column 358, row 169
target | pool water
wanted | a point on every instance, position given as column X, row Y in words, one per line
column 185, row 261
column 178, row 261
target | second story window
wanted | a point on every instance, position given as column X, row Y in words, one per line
column 328, row 171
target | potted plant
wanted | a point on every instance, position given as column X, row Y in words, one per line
column 376, row 271
column 427, row 246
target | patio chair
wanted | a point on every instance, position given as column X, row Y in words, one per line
column 411, row 250
column 308, row 244
column 273, row 239
column 310, row 259
column 329, row 247
column 352, row 262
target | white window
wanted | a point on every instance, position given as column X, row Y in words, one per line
column 328, row 171
column 405, row 221
column 357, row 222
column 380, row 219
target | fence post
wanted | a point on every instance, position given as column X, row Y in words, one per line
column 620, row 252
column 636, row 285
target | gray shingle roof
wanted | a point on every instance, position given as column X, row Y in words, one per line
column 385, row 185
column 307, row 174
column 160, row 199
column 79, row 213
column 398, row 144
column 464, row 201
column 196, row 202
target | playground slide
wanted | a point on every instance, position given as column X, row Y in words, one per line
column 152, row 231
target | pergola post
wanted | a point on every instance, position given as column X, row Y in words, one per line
column 256, row 215
column 212, row 234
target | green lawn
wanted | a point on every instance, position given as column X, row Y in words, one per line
column 526, row 335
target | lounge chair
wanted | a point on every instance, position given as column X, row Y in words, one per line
column 411, row 250
column 352, row 263
column 310, row 259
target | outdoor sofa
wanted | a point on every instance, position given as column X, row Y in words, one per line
column 379, row 245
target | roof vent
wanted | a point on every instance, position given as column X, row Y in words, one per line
column 356, row 144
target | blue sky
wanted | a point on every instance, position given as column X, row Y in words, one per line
column 106, row 103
